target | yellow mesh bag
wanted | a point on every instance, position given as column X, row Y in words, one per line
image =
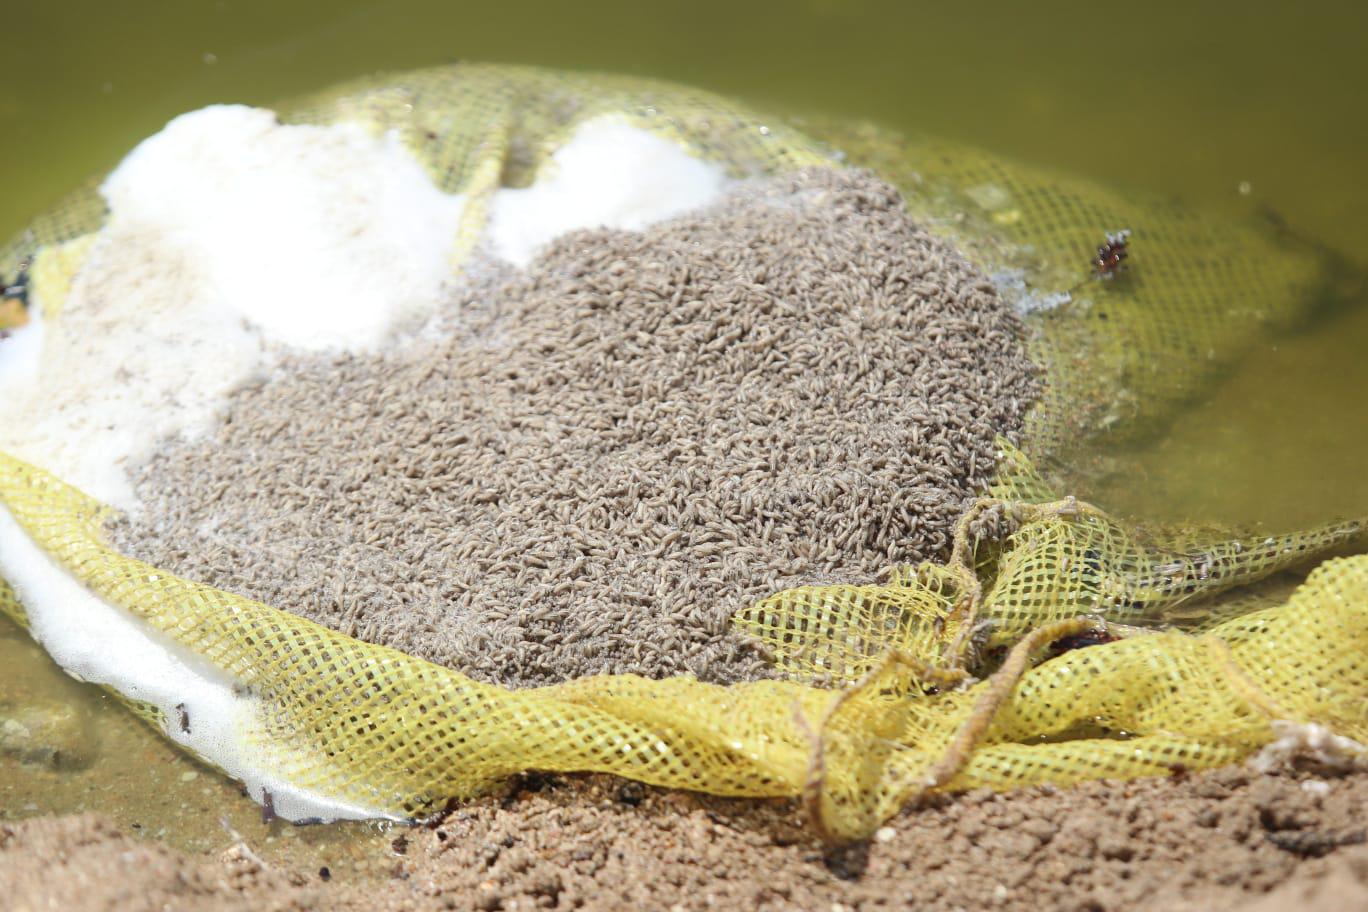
column 938, row 677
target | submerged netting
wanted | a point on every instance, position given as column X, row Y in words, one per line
column 938, row 676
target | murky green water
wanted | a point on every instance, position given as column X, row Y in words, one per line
column 68, row 747
column 1282, row 441
column 1196, row 100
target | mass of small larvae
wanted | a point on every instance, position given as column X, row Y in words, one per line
column 590, row 465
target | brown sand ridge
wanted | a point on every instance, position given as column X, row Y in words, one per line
column 595, row 463
column 1223, row 840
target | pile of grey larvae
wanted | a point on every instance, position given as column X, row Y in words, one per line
column 590, row 465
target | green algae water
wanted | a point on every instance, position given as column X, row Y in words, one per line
column 1194, row 99
column 1227, row 107
column 1279, row 442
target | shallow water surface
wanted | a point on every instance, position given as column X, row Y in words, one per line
column 1280, row 442
column 68, row 747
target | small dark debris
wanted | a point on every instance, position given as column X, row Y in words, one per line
column 1111, row 256
column 631, row 794
column 527, row 783
column 1096, row 637
column 1315, row 843
column 400, row 845
column 489, row 853
column 430, row 819
column 324, row 874
column 268, row 812
column 847, row 862
column 995, row 655
column 18, row 289
column 183, row 718
column 539, row 782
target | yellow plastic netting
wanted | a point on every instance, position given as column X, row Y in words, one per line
column 931, row 679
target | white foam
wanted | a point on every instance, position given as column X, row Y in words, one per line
column 227, row 232
column 100, row 643
column 611, row 175
column 1311, row 741
column 321, row 237
column 140, row 351
column 20, row 354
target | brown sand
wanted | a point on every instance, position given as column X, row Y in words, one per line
column 1224, row 840
column 608, row 456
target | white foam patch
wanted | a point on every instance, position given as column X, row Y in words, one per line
column 609, row 175
column 227, row 232
column 100, row 643
column 321, row 237
column 21, row 353
column 139, row 352
column 1311, row 741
